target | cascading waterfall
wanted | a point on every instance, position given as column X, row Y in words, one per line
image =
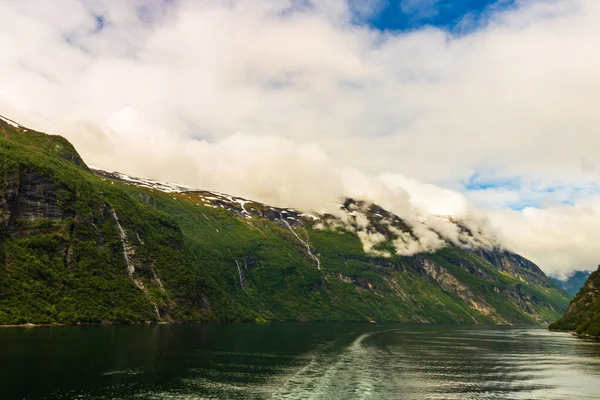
column 128, row 252
column 242, row 278
column 127, row 249
column 308, row 248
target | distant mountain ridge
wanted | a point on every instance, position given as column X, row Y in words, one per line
column 572, row 283
column 83, row 246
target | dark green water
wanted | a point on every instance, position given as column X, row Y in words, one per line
column 296, row 361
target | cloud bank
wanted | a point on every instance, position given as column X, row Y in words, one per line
column 294, row 103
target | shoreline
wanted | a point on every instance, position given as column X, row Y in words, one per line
column 575, row 333
column 58, row 325
column 150, row 323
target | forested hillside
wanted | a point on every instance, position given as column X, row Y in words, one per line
column 91, row 247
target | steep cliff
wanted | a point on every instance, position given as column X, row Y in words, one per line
column 583, row 314
column 74, row 249
column 78, row 246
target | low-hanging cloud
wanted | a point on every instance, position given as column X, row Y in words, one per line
column 559, row 238
column 295, row 104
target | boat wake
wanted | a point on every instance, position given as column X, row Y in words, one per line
column 339, row 373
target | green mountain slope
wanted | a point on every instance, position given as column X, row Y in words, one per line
column 78, row 246
column 583, row 314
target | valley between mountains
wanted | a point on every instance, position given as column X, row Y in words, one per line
column 79, row 245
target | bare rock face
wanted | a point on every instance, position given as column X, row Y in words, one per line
column 447, row 281
column 517, row 266
column 452, row 285
column 28, row 198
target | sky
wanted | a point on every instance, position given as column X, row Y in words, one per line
column 464, row 107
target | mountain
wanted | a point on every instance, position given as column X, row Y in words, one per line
column 82, row 245
column 583, row 314
column 572, row 283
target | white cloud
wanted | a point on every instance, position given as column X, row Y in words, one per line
column 324, row 107
column 559, row 239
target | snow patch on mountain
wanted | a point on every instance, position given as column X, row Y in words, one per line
column 382, row 232
column 147, row 183
column 208, row 198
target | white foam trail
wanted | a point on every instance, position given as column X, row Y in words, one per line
column 333, row 375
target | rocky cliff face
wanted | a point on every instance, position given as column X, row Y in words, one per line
column 583, row 314
column 74, row 251
column 83, row 247
column 29, row 197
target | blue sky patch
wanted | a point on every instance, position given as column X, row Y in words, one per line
column 457, row 16
column 478, row 182
column 490, row 190
column 100, row 22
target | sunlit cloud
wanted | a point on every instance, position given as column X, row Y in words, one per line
column 281, row 100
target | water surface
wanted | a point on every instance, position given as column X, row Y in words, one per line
column 297, row 361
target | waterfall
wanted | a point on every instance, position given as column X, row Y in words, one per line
column 127, row 248
column 242, row 278
column 308, row 248
column 128, row 253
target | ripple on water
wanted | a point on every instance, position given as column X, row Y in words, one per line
column 351, row 362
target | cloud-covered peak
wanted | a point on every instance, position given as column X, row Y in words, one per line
column 291, row 100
